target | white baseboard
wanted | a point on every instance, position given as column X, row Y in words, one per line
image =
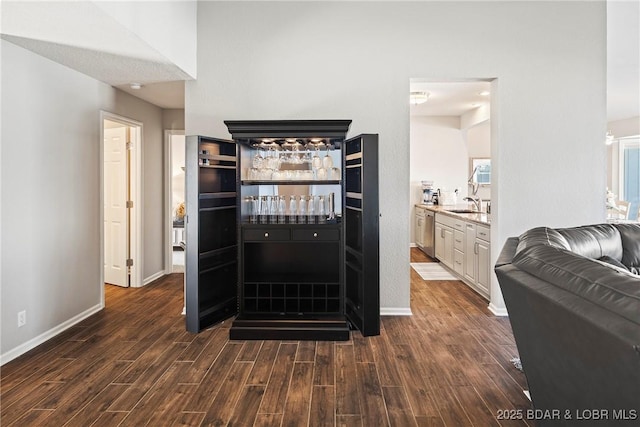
column 32, row 343
column 413, row 245
column 153, row 277
column 498, row 311
column 395, row 311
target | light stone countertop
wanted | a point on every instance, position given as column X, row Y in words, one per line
column 479, row 217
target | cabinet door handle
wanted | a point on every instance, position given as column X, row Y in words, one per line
column 266, row 234
column 475, row 248
column 315, row 234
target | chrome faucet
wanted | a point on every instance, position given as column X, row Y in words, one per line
column 477, row 201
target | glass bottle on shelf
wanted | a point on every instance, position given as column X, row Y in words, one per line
column 322, row 215
column 293, row 210
column 281, row 210
column 264, row 210
column 311, row 210
column 273, row 209
column 254, row 208
column 302, row 209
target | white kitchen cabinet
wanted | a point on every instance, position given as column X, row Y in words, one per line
column 419, row 224
column 469, row 248
column 465, row 248
column 458, row 252
column 444, row 244
column 483, row 260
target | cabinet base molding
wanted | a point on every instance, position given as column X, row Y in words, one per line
column 329, row 328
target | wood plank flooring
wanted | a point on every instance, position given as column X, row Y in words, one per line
column 133, row 364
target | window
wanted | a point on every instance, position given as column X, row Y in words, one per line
column 630, row 173
column 480, row 171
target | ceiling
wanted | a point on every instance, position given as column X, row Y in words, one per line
column 450, row 98
column 123, row 58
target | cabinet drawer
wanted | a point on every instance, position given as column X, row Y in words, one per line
column 458, row 240
column 455, row 223
column 483, row 233
column 458, row 262
column 266, row 234
column 316, row 234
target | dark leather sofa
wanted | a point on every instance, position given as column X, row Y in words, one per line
column 574, row 306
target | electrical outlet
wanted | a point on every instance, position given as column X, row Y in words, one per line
column 22, row 318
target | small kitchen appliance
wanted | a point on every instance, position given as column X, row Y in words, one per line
column 427, row 192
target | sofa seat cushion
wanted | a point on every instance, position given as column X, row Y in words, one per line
column 611, row 288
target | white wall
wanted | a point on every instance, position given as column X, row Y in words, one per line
column 438, row 153
column 167, row 26
column 354, row 60
column 173, row 119
column 50, row 193
column 478, row 140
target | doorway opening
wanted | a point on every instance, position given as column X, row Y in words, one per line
column 174, row 201
column 121, row 201
column 451, row 141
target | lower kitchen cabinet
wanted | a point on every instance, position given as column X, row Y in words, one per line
column 483, row 260
column 444, row 244
column 464, row 248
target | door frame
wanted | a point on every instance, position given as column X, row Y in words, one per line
column 168, row 209
column 135, row 184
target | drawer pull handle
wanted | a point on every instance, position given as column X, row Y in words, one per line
column 315, row 234
column 266, row 234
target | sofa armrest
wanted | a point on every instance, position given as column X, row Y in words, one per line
column 508, row 252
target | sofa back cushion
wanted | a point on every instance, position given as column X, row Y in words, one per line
column 591, row 241
column 594, row 241
column 541, row 236
column 610, row 288
column 630, row 235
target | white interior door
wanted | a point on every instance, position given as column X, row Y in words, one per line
column 115, row 206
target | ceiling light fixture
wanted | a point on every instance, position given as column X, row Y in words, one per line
column 484, row 93
column 135, row 86
column 418, row 97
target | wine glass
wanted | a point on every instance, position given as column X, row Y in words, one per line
column 327, row 161
column 258, row 161
column 316, row 161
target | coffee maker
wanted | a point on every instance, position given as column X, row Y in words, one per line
column 427, row 192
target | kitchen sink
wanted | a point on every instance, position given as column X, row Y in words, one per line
column 461, row 211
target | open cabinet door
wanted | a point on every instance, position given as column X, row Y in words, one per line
column 211, row 272
column 361, row 225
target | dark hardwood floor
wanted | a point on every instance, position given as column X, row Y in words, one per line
column 133, row 364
